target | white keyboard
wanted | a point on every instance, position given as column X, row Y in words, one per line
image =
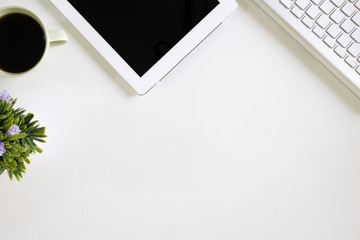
column 330, row 29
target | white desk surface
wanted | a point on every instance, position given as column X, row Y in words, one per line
column 248, row 138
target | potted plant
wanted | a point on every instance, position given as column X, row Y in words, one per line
column 18, row 136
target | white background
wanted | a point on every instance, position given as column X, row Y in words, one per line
column 248, row 138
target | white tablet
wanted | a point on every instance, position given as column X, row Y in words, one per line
column 143, row 39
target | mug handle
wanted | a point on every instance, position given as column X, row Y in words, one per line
column 57, row 37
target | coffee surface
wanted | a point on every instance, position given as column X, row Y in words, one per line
column 22, row 42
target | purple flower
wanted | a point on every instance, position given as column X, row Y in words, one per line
column 13, row 130
column 2, row 148
column 4, row 95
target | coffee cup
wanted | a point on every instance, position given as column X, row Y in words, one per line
column 24, row 40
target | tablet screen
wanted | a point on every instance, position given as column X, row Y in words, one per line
column 143, row 31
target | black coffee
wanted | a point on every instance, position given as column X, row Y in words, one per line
column 22, row 42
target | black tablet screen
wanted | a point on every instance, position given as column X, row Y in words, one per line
column 143, row 31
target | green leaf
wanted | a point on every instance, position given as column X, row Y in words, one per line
column 30, row 144
column 18, row 112
column 38, row 139
column 37, row 131
column 17, row 175
column 11, row 175
column 7, row 126
column 28, row 118
column 37, row 136
column 2, row 105
column 18, row 147
column 16, row 136
column 39, row 150
column 26, row 160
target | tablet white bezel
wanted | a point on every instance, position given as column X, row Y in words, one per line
column 144, row 83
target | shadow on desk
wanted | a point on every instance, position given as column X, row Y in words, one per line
column 301, row 53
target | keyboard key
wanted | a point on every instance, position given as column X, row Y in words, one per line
column 357, row 70
column 302, row 4
column 327, row 7
column 341, row 52
column 344, row 40
column 337, row 16
column 316, row 2
column 357, row 4
column 329, row 41
column 348, row 9
column 338, row 3
column 333, row 31
column 350, row 61
column 297, row 12
column 347, row 26
column 313, row 12
column 356, row 35
column 354, row 50
column 287, row 3
column 323, row 21
column 356, row 18
column 318, row 32
column 307, row 22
